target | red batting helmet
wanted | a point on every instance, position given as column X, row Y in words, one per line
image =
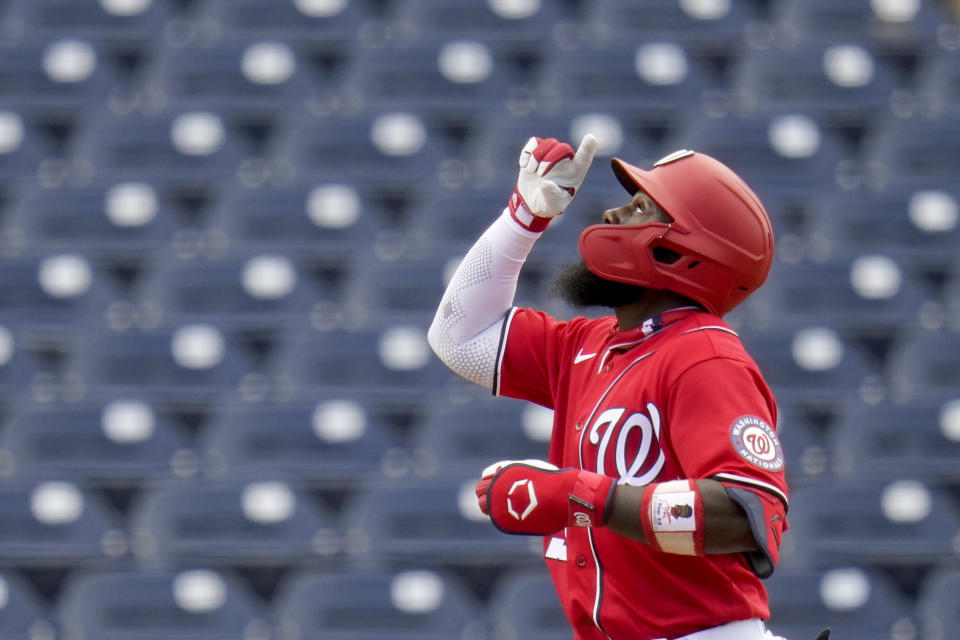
column 720, row 241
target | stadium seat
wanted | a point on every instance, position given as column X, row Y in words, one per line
column 253, row 78
column 913, row 223
column 23, row 614
column 845, row 82
column 191, row 364
column 913, row 149
column 524, row 25
column 53, row 293
column 856, row 603
column 524, row 606
column 442, row 77
column 335, row 22
column 387, row 148
column 774, row 150
column 657, row 81
column 900, row 523
column 811, row 365
column 402, row 290
column 24, row 147
column 923, row 365
column 185, row 146
column 804, row 448
column 335, row 442
column 57, row 524
column 264, row 523
column 120, row 23
column 411, row 604
column 123, row 443
column 712, row 26
column 378, row 358
column 938, row 82
column 865, row 295
column 111, row 221
column 245, row 290
column 872, row 441
column 20, row 367
column 309, row 218
column 471, row 436
column 435, row 522
column 938, row 603
column 197, row 603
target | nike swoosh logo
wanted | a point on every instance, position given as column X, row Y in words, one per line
column 581, row 356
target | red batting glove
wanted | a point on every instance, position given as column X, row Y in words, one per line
column 536, row 498
column 550, row 174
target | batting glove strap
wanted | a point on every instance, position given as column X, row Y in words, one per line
column 671, row 514
column 525, row 499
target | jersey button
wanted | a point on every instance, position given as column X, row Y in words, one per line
column 578, row 426
column 581, row 561
column 608, row 368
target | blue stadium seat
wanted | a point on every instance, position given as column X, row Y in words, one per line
column 403, row 290
column 128, row 23
column 53, row 293
column 938, row 81
column 183, row 145
column 120, row 444
column 658, row 80
column 373, row 149
column 25, row 147
column 432, row 521
column 378, row 358
column 241, row 289
column 907, row 27
column 844, row 81
column 521, row 24
column 260, row 524
column 813, row 365
column 432, row 78
column 938, row 603
column 23, row 614
column 900, row 523
column 524, row 606
column 804, row 448
column 20, row 366
column 871, row 441
column 188, row 364
column 412, row 604
column 856, row 603
column 57, row 524
column 335, row 442
column 913, row 149
column 104, row 219
column 923, row 365
column 865, row 295
column 712, row 26
column 774, row 150
column 471, row 436
column 200, row 604
column 253, row 78
column 62, row 77
column 338, row 23
column 912, row 222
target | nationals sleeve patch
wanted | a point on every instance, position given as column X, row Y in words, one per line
column 757, row 443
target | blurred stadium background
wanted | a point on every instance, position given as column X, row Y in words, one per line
column 224, row 228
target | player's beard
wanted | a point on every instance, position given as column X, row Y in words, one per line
column 579, row 287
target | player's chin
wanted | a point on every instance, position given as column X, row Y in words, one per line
column 579, row 287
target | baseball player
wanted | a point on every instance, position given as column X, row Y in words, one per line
column 663, row 502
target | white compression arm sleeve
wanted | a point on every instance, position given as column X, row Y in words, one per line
column 465, row 333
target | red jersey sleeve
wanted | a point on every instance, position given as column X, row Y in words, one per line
column 529, row 353
column 722, row 419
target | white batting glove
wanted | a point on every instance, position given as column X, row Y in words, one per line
column 550, row 174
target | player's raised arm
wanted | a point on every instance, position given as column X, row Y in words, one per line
column 465, row 332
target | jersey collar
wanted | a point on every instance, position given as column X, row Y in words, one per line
column 649, row 326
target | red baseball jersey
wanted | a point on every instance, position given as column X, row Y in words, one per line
column 675, row 398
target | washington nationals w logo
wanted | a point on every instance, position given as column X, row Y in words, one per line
column 635, row 439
